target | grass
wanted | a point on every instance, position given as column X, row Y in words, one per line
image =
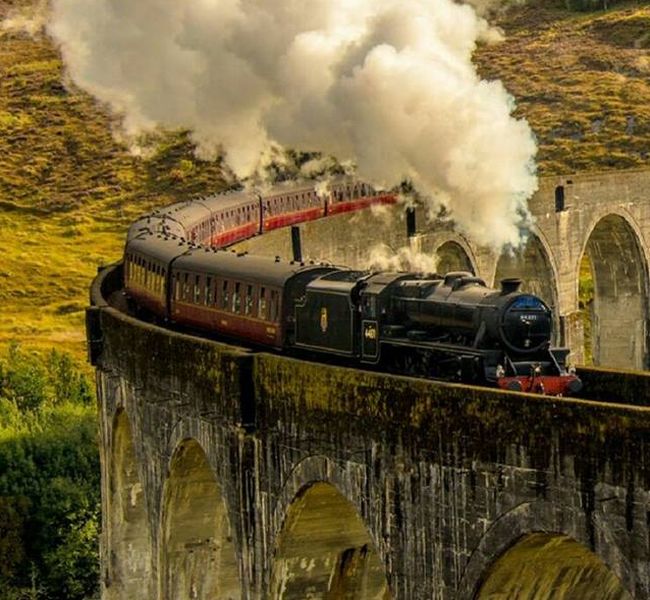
column 68, row 190
column 581, row 79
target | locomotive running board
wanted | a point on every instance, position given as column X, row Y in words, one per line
column 436, row 346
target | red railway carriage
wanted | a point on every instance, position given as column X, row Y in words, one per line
column 246, row 297
column 235, row 216
column 156, row 224
column 189, row 220
column 147, row 259
column 286, row 205
column 345, row 195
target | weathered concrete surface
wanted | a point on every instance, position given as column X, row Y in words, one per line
column 430, row 483
column 606, row 216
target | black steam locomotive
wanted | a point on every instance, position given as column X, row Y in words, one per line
column 452, row 327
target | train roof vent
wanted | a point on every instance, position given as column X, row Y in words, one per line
column 510, row 285
column 454, row 275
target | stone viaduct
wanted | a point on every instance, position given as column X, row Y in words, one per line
column 232, row 474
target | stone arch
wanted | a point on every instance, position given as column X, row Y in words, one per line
column 322, row 544
column 619, row 315
column 545, row 565
column 533, row 264
column 453, row 257
column 452, row 249
column 197, row 554
column 130, row 544
column 500, row 561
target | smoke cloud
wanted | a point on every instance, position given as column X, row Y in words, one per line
column 388, row 85
column 384, row 258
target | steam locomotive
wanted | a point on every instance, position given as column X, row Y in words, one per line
column 450, row 327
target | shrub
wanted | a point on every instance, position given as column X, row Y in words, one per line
column 49, row 479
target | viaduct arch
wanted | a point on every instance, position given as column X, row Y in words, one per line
column 127, row 522
column 197, row 553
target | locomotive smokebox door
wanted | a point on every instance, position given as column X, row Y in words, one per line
column 370, row 341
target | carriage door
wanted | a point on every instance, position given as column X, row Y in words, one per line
column 369, row 329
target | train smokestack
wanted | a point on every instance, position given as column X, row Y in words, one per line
column 296, row 244
column 510, row 285
column 410, row 222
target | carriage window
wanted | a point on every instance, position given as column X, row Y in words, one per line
column 236, row 298
column 273, row 308
column 186, row 286
column 197, row 290
column 207, row 297
column 177, row 287
column 248, row 307
column 261, row 304
column 224, row 295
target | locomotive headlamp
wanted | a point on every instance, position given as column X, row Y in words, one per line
column 501, row 372
column 537, row 370
column 571, row 370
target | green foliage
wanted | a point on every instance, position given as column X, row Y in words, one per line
column 30, row 384
column 49, row 479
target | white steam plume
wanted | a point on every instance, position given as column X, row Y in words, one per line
column 384, row 258
column 31, row 19
column 386, row 84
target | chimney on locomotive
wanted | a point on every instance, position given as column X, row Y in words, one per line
column 510, row 285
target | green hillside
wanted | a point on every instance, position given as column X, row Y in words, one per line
column 68, row 189
column 581, row 79
column 67, row 193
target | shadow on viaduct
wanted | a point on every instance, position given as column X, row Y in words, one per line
column 603, row 216
column 228, row 474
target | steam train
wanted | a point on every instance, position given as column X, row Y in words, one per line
column 450, row 327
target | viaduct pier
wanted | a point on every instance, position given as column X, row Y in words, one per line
column 233, row 474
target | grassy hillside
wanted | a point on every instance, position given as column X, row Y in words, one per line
column 581, row 79
column 68, row 189
column 67, row 193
